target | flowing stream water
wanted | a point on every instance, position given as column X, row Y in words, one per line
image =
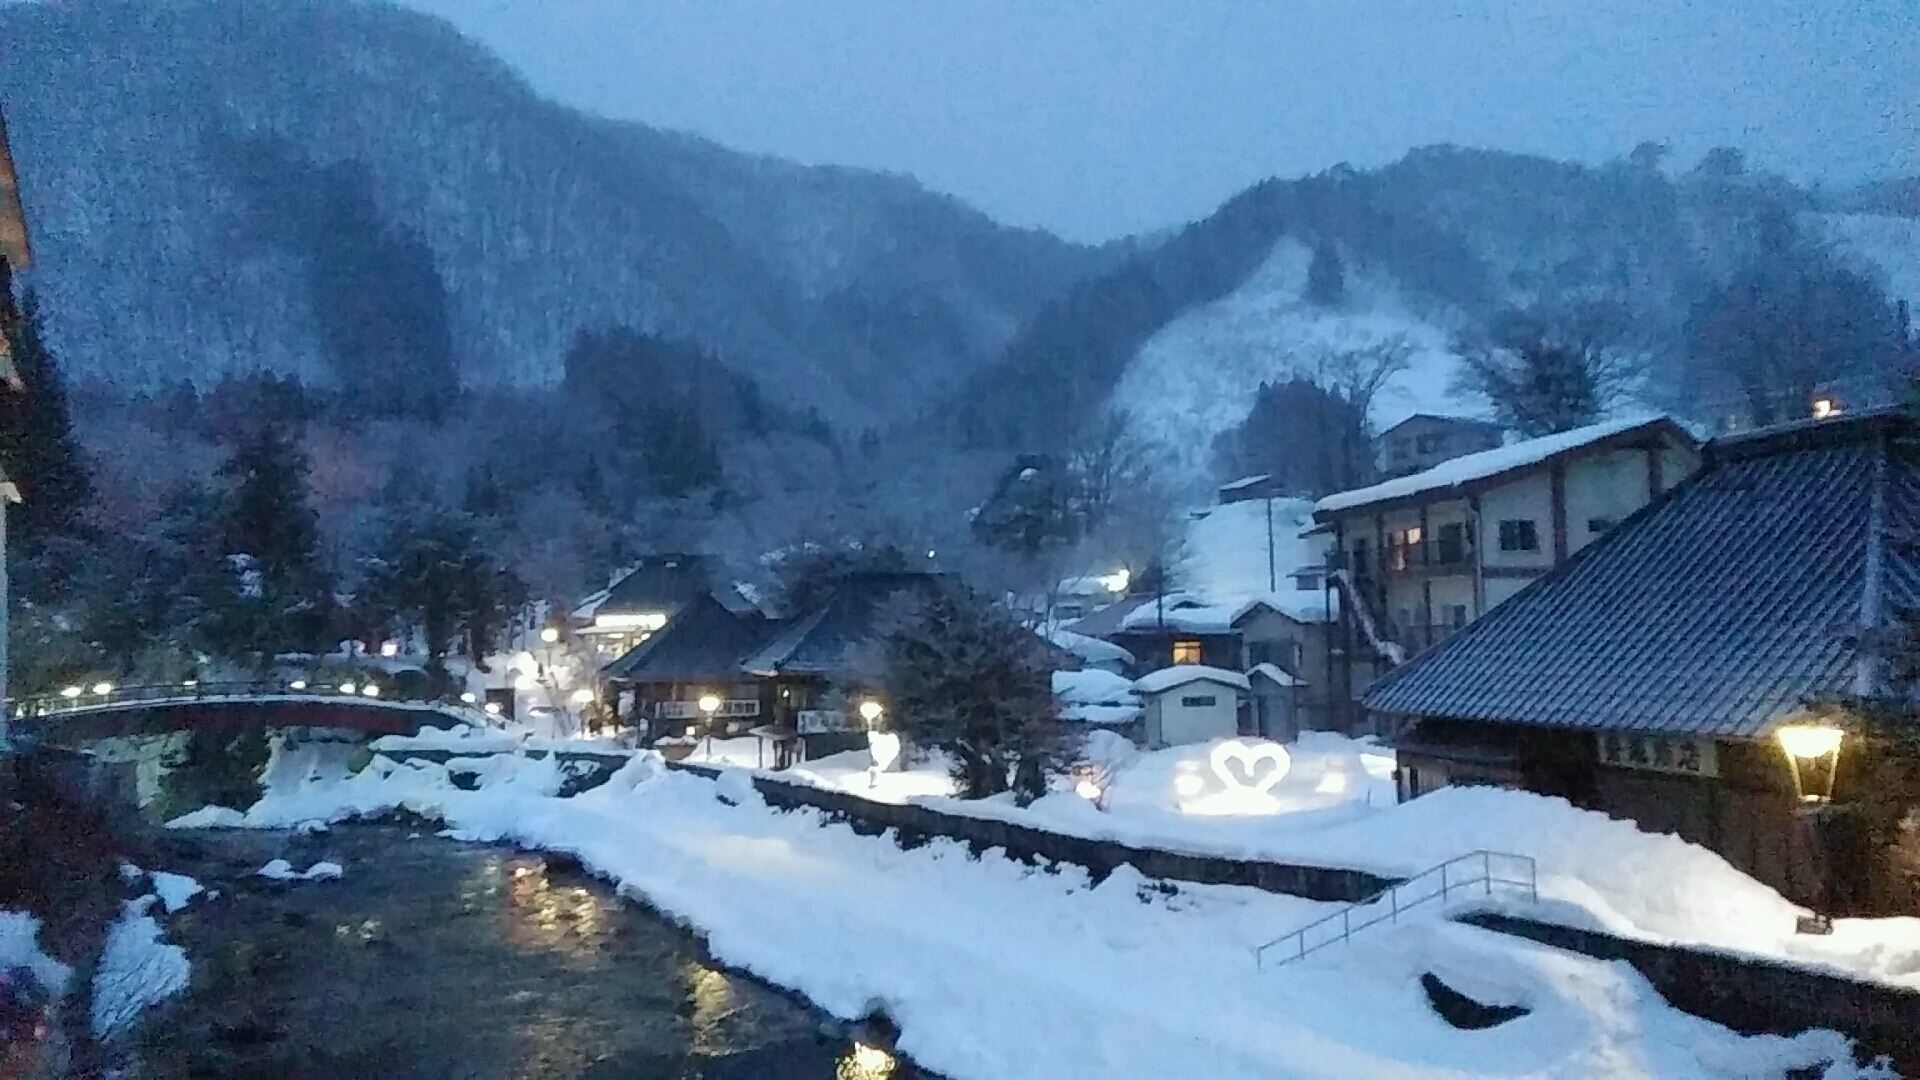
column 432, row 958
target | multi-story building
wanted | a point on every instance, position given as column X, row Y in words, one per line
column 1419, row 557
column 1424, row 440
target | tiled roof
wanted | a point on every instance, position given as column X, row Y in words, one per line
column 662, row 583
column 703, row 642
column 1717, row 610
column 827, row 641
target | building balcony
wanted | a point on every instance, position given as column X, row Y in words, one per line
column 1427, row 557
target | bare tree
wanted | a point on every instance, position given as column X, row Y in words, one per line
column 1546, row 372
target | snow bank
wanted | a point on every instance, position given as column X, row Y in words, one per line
column 174, row 890
column 20, row 947
column 992, row 968
column 137, row 969
column 1096, row 697
column 282, row 870
column 209, row 817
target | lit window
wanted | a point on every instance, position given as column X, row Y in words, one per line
column 1186, row 652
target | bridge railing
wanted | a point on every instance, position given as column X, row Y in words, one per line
column 81, row 699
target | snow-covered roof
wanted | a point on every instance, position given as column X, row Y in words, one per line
column 1278, row 675
column 1091, row 649
column 1101, row 715
column 1159, row 682
column 1186, row 613
column 1486, row 464
column 1093, row 687
column 1245, row 482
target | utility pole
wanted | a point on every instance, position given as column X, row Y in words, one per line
column 1273, row 580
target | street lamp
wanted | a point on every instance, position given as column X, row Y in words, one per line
column 870, row 711
column 1813, row 756
column 550, row 635
column 709, row 704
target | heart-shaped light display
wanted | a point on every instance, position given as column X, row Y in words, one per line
column 1246, row 774
column 885, row 748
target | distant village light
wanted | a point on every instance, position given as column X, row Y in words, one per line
column 550, row 635
column 297, row 684
column 70, row 691
column 389, row 648
column 1824, row 407
column 468, row 698
column 1118, row 580
column 493, row 708
column 583, row 696
column 103, row 688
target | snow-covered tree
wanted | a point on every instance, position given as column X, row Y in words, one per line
column 961, row 675
column 1548, row 372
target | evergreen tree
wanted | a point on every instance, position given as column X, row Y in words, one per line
column 1326, row 276
column 961, row 675
column 270, row 537
column 1310, row 441
column 433, row 575
column 37, row 448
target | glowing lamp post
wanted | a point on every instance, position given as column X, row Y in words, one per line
column 709, row 705
column 1813, row 756
column 871, row 711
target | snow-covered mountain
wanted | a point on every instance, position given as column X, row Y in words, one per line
column 1182, row 335
column 216, row 185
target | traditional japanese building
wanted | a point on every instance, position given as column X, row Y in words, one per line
column 641, row 599
column 1649, row 674
column 1418, row 558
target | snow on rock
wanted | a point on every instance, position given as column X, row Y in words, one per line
column 1485, row 463
column 209, row 817
column 20, row 947
column 174, row 890
column 1197, row 376
column 282, row 870
column 137, row 969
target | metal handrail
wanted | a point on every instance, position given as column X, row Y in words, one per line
column 1399, row 898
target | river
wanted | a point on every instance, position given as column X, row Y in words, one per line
column 432, row 958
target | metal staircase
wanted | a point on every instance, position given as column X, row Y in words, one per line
column 1477, row 871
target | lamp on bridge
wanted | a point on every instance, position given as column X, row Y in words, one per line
column 348, row 688
column 103, row 688
column 297, row 684
column 370, row 690
column 70, row 692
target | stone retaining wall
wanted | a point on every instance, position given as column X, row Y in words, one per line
column 915, row 825
column 1748, row 994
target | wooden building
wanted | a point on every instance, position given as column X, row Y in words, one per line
column 1648, row 675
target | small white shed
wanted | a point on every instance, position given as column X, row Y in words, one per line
column 1191, row 703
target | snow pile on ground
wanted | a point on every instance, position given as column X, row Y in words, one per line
column 992, row 968
column 174, row 891
column 282, row 870
column 1094, row 651
column 137, row 969
column 470, row 739
column 209, row 817
column 20, row 947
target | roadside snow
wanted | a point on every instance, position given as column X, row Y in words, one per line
column 137, row 969
column 992, row 968
column 174, row 890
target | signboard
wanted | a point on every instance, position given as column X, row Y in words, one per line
column 1680, row 754
column 688, row 710
column 820, row 721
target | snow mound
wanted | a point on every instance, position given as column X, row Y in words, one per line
column 209, row 817
column 20, row 947
column 174, row 890
column 137, row 969
column 282, row 870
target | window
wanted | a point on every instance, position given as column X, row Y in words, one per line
column 1400, row 449
column 1298, row 654
column 1430, row 444
column 1198, row 701
column 1519, row 534
column 1596, row 526
column 1453, row 544
column 1186, row 651
column 1308, row 582
column 1457, row 616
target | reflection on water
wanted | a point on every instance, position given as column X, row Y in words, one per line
column 437, row 959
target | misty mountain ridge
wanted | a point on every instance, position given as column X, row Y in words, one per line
column 218, row 186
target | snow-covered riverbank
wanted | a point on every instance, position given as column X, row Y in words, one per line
column 995, row 969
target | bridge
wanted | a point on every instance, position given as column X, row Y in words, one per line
column 83, row 714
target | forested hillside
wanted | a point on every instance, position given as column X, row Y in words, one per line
column 351, row 193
